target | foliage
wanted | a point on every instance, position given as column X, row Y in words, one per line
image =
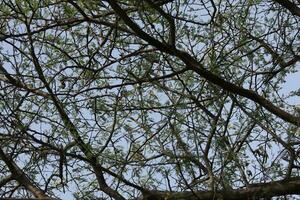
column 150, row 99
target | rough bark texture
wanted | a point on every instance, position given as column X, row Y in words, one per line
column 253, row 191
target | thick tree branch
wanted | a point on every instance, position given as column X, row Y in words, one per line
column 293, row 8
column 254, row 191
column 197, row 67
column 21, row 177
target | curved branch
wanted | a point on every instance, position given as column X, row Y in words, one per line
column 197, row 67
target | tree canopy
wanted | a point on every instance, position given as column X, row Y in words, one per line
column 149, row 99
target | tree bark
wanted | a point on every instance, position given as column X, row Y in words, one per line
column 290, row 6
column 21, row 177
column 253, row 191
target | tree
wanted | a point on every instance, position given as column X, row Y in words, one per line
column 149, row 99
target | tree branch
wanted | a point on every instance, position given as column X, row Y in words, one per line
column 197, row 67
column 84, row 147
column 254, row 191
column 21, row 177
column 290, row 6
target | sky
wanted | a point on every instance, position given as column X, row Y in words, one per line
column 292, row 84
